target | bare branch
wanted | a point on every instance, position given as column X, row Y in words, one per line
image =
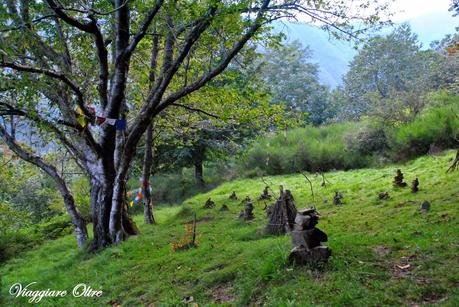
column 310, row 183
column 195, row 110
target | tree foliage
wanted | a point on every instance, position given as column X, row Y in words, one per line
column 390, row 75
column 62, row 60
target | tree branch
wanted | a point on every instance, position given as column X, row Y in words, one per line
column 52, row 74
column 194, row 110
column 223, row 64
column 143, row 29
column 59, row 10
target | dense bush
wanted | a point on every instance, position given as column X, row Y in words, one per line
column 15, row 239
column 311, row 148
column 356, row 145
column 437, row 127
column 369, row 139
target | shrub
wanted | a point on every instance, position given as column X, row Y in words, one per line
column 311, row 148
column 368, row 140
column 435, row 127
column 15, row 240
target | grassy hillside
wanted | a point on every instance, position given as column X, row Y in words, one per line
column 236, row 264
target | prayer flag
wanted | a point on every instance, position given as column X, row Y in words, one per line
column 110, row 121
column 100, row 120
column 120, row 124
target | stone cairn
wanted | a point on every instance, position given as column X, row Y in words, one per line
column 281, row 215
column 337, row 198
column 383, row 195
column 265, row 195
column 247, row 213
column 398, row 180
column 425, row 207
column 306, row 239
column 209, row 204
column 233, row 196
column 415, row 185
column 224, row 208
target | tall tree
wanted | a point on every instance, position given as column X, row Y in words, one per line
column 294, row 80
column 50, row 49
column 389, row 76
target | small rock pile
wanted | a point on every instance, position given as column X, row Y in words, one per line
column 265, row 194
column 209, row 204
column 337, row 198
column 398, row 180
column 383, row 195
column 233, row 196
column 415, row 185
column 247, row 213
column 306, row 239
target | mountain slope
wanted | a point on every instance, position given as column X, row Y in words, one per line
column 334, row 56
column 236, row 264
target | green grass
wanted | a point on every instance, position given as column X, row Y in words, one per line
column 235, row 264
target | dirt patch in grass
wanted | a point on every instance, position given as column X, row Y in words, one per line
column 381, row 250
column 223, row 293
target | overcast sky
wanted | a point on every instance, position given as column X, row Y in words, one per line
column 407, row 9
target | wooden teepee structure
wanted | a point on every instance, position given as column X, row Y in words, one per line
column 283, row 213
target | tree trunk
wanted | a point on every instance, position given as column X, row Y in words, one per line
column 147, row 166
column 199, row 173
column 79, row 223
column 77, row 220
column 101, row 198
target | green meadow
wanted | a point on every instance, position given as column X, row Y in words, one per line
column 384, row 252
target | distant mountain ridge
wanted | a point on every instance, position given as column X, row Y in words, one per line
column 333, row 56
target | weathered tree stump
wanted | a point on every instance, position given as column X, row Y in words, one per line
column 337, row 198
column 383, row 195
column 282, row 214
column 209, row 204
column 415, row 185
column 398, row 180
column 247, row 213
column 307, row 239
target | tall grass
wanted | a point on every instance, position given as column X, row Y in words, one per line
column 355, row 145
column 310, row 148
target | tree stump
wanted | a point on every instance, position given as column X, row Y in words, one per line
column 282, row 214
column 398, row 180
